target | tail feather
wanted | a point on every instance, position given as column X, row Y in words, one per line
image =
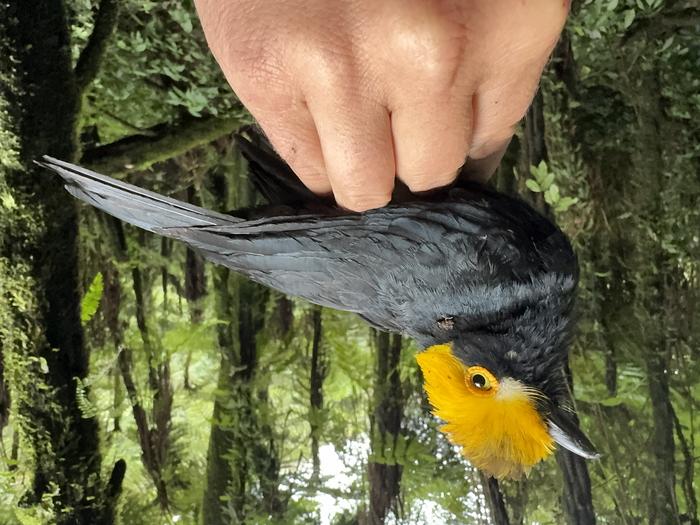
column 134, row 205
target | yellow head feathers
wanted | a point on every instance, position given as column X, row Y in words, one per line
column 494, row 420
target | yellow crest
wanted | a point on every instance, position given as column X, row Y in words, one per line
column 494, row 420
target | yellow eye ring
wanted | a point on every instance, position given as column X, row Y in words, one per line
column 480, row 381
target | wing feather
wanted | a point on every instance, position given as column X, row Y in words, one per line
column 400, row 267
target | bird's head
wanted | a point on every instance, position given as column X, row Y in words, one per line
column 506, row 409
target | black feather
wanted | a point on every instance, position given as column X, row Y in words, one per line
column 504, row 275
column 270, row 175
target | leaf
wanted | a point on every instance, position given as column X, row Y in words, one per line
column 87, row 407
column 547, row 180
column 91, row 299
column 548, row 198
column 667, row 43
column 7, row 201
column 611, row 401
column 533, row 186
column 566, row 203
column 628, row 18
column 26, row 517
column 554, row 189
column 551, row 196
column 539, row 171
column 183, row 19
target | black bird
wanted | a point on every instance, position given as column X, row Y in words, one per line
column 480, row 279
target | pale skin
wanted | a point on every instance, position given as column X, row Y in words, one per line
column 354, row 94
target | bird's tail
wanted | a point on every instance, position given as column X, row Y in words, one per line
column 134, row 205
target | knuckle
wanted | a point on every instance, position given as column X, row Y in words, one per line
column 439, row 170
column 329, row 65
column 430, row 183
column 431, row 48
column 356, row 195
column 363, row 202
column 430, row 180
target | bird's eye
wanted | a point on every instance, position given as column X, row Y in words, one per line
column 480, row 381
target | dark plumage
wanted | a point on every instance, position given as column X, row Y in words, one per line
column 465, row 265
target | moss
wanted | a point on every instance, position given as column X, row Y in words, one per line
column 41, row 334
column 161, row 143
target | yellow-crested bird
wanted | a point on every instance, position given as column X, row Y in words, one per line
column 481, row 280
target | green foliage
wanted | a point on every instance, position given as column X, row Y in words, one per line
column 24, row 372
column 542, row 181
column 158, row 68
column 91, row 300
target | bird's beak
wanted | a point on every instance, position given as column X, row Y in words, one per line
column 565, row 431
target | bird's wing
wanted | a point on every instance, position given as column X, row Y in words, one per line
column 146, row 209
column 401, row 267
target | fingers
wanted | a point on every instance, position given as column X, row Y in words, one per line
column 297, row 142
column 431, row 140
column 352, row 97
column 512, row 71
column 355, row 138
column 480, row 170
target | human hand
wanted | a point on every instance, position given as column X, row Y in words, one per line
column 355, row 93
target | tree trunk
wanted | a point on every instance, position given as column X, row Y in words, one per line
column 151, row 455
column 577, row 499
column 240, row 453
column 282, row 317
column 385, row 469
column 40, row 98
column 160, row 143
column 319, row 370
column 535, row 147
column 195, row 287
column 222, row 480
column 243, row 468
column 494, row 498
column 153, row 431
column 611, row 250
column 649, row 163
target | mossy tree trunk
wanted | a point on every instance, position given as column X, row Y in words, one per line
column 242, row 461
column 657, row 283
column 43, row 345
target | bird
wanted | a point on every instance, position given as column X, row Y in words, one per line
column 484, row 283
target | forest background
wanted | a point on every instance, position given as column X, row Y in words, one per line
column 141, row 386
